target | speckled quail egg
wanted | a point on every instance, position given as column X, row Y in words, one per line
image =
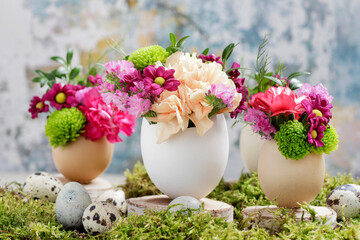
column 116, row 197
column 99, row 217
column 41, row 185
column 70, row 205
column 185, row 202
column 345, row 200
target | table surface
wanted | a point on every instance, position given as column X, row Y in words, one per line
column 7, row 177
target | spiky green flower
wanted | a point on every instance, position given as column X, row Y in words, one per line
column 148, row 56
column 64, row 125
column 292, row 140
column 330, row 140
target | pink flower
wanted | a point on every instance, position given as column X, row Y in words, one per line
column 223, row 92
column 278, row 100
column 234, row 74
column 240, row 88
column 37, row 105
column 119, row 68
column 260, row 122
column 312, row 91
column 105, row 120
column 79, row 95
column 158, row 79
column 210, row 58
column 318, row 107
column 60, row 97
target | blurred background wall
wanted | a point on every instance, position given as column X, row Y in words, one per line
column 319, row 36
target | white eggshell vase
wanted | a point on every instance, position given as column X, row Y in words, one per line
column 288, row 181
column 250, row 145
column 186, row 164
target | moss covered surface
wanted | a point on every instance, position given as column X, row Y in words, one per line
column 22, row 218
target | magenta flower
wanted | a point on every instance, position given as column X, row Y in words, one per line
column 95, row 81
column 79, row 95
column 37, row 106
column 234, row 74
column 260, row 122
column 317, row 107
column 316, row 131
column 240, row 88
column 105, row 120
column 223, row 92
column 158, row 79
column 60, row 97
column 210, row 58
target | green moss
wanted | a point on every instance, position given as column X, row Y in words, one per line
column 22, row 218
column 64, row 125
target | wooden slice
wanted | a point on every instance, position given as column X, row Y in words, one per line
column 94, row 188
column 265, row 216
column 161, row 202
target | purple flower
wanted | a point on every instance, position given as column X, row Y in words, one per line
column 37, row 106
column 158, row 79
column 234, row 74
column 223, row 92
column 240, row 88
column 210, row 58
column 313, row 91
column 260, row 122
column 316, row 131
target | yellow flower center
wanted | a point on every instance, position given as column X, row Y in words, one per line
column 39, row 105
column 317, row 113
column 60, row 97
column 159, row 80
column 313, row 134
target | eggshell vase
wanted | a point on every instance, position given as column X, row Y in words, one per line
column 83, row 160
column 289, row 181
column 186, row 164
column 250, row 146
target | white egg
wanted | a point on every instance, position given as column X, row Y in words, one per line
column 41, row 185
column 99, row 217
column 70, row 205
column 115, row 197
column 185, row 202
column 345, row 200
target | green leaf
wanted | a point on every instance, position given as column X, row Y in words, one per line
column 294, row 84
column 206, row 51
column 69, row 56
column 74, row 72
column 278, row 81
column 59, row 60
column 60, row 72
column 51, row 83
column 37, row 79
column 172, row 39
column 93, row 71
column 43, row 81
column 227, row 51
column 41, row 73
column 50, row 76
column 181, row 41
column 297, row 74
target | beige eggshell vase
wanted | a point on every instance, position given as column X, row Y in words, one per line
column 83, row 160
column 289, row 181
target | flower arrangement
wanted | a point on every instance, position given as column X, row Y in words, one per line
column 296, row 115
column 76, row 106
column 172, row 88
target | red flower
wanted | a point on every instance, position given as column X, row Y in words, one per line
column 60, row 97
column 278, row 100
column 37, row 105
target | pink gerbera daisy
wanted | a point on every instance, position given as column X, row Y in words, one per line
column 37, row 106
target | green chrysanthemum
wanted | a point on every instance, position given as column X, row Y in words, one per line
column 148, row 56
column 330, row 140
column 292, row 140
column 64, row 125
